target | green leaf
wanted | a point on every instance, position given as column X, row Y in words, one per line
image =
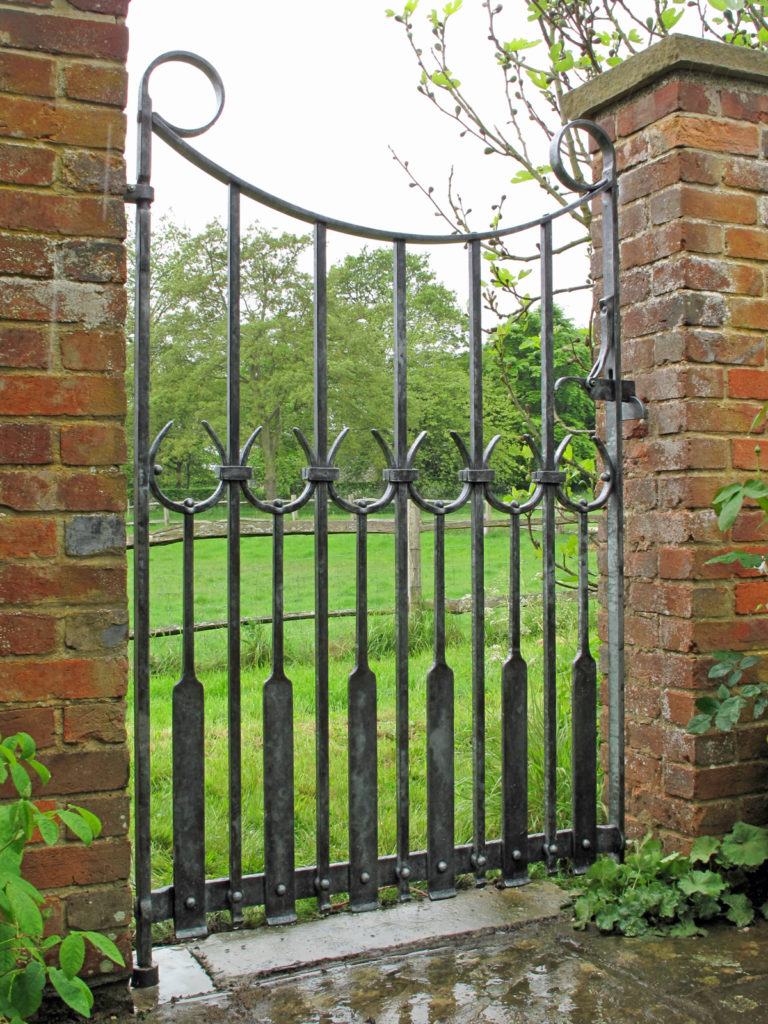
column 744, row 558
column 90, row 819
column 76, row 823
column 703, row 849
column 40, row 770
column 73, row 991
column 670, row 18
column 26, row 745
column 708, row 705
column 520, row 44
column 21, row 779
column 699, row 724
column 704, row 883
column 72, row 954
column 740, row 910
column 729, row 510
column 49, row 830
column 23, row 907
column 105, row 946
column 729, row 713
column 27, row 989
column 746, row 845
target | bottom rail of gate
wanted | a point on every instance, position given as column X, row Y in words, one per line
column 218, row 890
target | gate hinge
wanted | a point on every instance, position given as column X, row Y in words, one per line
column 135, row 193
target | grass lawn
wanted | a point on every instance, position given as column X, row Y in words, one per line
column 210, row 556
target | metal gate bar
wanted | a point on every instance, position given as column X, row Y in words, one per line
column 281, row 883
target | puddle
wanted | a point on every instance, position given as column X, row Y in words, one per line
column 551, row 975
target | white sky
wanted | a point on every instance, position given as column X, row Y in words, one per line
column 316, row 92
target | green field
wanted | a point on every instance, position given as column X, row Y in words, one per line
column 210, row 574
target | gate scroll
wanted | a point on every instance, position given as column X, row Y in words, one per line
column 192, row 895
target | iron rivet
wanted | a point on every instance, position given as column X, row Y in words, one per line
column 553, row 848
column 516, row 855
column 586, row 844
column 325, row 884
column 157, row 469
column 442, row 866
column 365, row 877
column 237, row 896
column 405, row 872
column 190, row 902
column 189, row 502
column 280, row 889
column 482, row 860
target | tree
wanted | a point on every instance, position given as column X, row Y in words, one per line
column 572, row 43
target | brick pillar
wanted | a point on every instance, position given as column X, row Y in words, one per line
column 687, row 118
column 63, row 608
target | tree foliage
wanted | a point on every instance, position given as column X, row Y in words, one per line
column 188, row 340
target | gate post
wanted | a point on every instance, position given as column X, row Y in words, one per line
column 63, row 608
column 687, row 118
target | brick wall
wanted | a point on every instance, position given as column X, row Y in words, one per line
column 688, row 123
column 63, row 609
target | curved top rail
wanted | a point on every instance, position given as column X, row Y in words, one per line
column 175, row 138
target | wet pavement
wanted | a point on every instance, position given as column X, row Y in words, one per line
column 531, row 969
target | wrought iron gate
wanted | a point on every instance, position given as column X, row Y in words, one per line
column 281, row 883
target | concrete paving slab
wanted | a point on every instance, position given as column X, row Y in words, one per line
column 423, row 924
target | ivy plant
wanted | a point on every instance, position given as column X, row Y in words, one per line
column 674, row 894
column 27, row 961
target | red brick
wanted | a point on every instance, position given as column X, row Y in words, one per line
column 22, row 583
column 716, row 781
column 750, row 528
column 30, row 76
column 749, row 383
column 92, row 261
column 704, row 133
column 716, row 347
column 751, row 596
column 662, row 598
column 669, row 311
column 27, row 538
column 93, row 350
column 752, row 313
column 51, row 491
column 93, row 172
column 739, row 634
column 62, row 301
column 748, row 174
column 63, row 35
column 748, row 243
column 704, row 417
column 101, row 770
column 673, row 381
column 24, row 348
column 103, row 721
column 75, row 864
column 25, row 118
column 707, row 275
column 116, row 7
column 60, row 215
column 641, row 630
column 27, row 634
column 70, row 395
column 94, row 444
column 744, row 105
column 689, row 96
column 680, row 201
column 40, row 723
column 26, row 443
column 26, row 165
column 74, row 679
column 26, row 256
column 96, row 83
column 745, row 453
